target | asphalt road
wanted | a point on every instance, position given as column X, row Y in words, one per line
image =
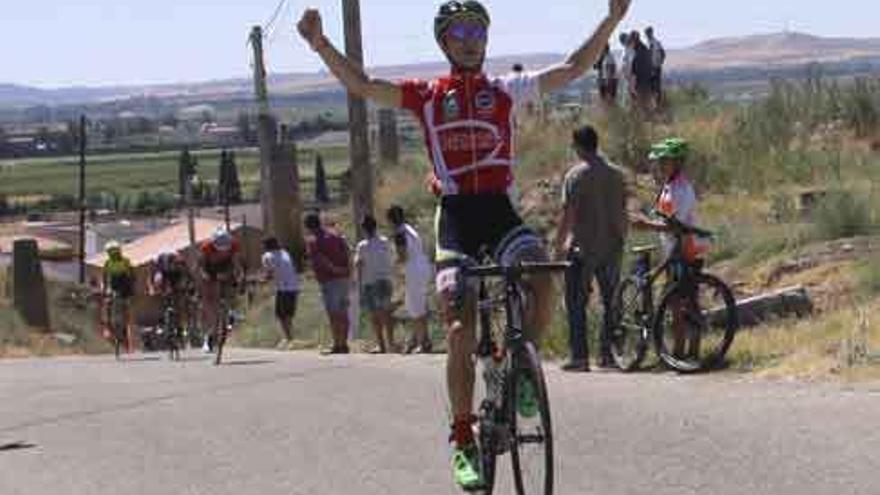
column 295, row 423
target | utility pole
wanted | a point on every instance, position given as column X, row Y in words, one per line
column 266, row 133
column 361, row 169
column 279, row 177
column 82, row 199
column 389, row 144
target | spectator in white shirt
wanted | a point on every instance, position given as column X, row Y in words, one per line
column 278, row 266
column 374, row 269
column 418, row 273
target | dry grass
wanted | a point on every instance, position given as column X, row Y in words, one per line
column 843, row 344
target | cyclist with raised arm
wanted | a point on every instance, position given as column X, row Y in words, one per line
column 468, row 118
column 221, row 269
column 118, row 284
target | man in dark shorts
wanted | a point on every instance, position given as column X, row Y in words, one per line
column 469, row 121
column 278, row 266
column 331, row 262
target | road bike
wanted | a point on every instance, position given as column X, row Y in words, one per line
column 508, row 361
column 115, row 323
column 172, row 330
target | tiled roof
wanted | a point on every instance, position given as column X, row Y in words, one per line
column 172, row 238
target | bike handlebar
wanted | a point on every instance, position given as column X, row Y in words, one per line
column 681, row 228
column 513, row 271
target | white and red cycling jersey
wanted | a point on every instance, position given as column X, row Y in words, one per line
column 469, row 125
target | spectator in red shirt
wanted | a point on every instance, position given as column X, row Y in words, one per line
column 331, row 262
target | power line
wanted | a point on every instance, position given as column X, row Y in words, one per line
column 269, row 26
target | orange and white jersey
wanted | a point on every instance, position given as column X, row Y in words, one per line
column 678, row 199
column 469, row 126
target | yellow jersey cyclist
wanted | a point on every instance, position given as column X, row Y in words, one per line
column 118, row 284
column 468, row 119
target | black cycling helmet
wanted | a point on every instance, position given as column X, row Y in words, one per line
column 455, row 10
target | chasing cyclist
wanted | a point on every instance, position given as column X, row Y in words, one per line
column 469, row 122
column 118, row 285
column 172, row 280
column 221, row 269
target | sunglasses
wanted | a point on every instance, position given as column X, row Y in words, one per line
column 462, row 32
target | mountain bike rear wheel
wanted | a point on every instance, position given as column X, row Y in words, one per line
column 695, row 324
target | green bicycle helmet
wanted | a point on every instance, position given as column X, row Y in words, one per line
column 672, row 148
column 456, row 11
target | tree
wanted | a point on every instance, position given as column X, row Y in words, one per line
column 246, row 131
column 186, row 171
column 229, row 187
column 322, row 193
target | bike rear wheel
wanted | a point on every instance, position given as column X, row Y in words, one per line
column 532, row 442
column 117, row 327
column 695, row 324
column 629, row 333
column 171, row 332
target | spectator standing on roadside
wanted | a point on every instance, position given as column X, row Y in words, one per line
column 278, row 266
column 330, row 259
column 591, row 233
column 658, row 58
column 373, row 262
column 418, row 273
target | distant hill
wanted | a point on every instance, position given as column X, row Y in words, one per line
column 765, row 51
column 771, row 50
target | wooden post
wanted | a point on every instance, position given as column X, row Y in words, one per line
column 266, row 132
column 361, row 169
column 389, row 147
column 28, row 284
column 82, row 199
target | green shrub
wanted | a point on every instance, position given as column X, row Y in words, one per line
column 842, row 214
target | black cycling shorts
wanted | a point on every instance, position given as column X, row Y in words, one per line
column 471, row 226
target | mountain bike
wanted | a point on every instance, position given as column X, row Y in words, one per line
column 508, row 361
column 695, row 321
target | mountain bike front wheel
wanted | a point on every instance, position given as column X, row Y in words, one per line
column 631, row 318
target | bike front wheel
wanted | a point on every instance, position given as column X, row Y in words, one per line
column 629, row 332
column 222, row 333
column 695, row 323
column 532, row 447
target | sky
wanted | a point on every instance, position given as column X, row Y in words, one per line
column 60, row 43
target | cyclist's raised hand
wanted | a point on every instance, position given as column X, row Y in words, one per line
column 617, row 8
column 310, row 26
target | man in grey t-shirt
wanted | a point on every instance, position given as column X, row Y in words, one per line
column 591, row 232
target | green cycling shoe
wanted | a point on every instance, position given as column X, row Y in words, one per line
column 465, row 468
column 526, row 397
